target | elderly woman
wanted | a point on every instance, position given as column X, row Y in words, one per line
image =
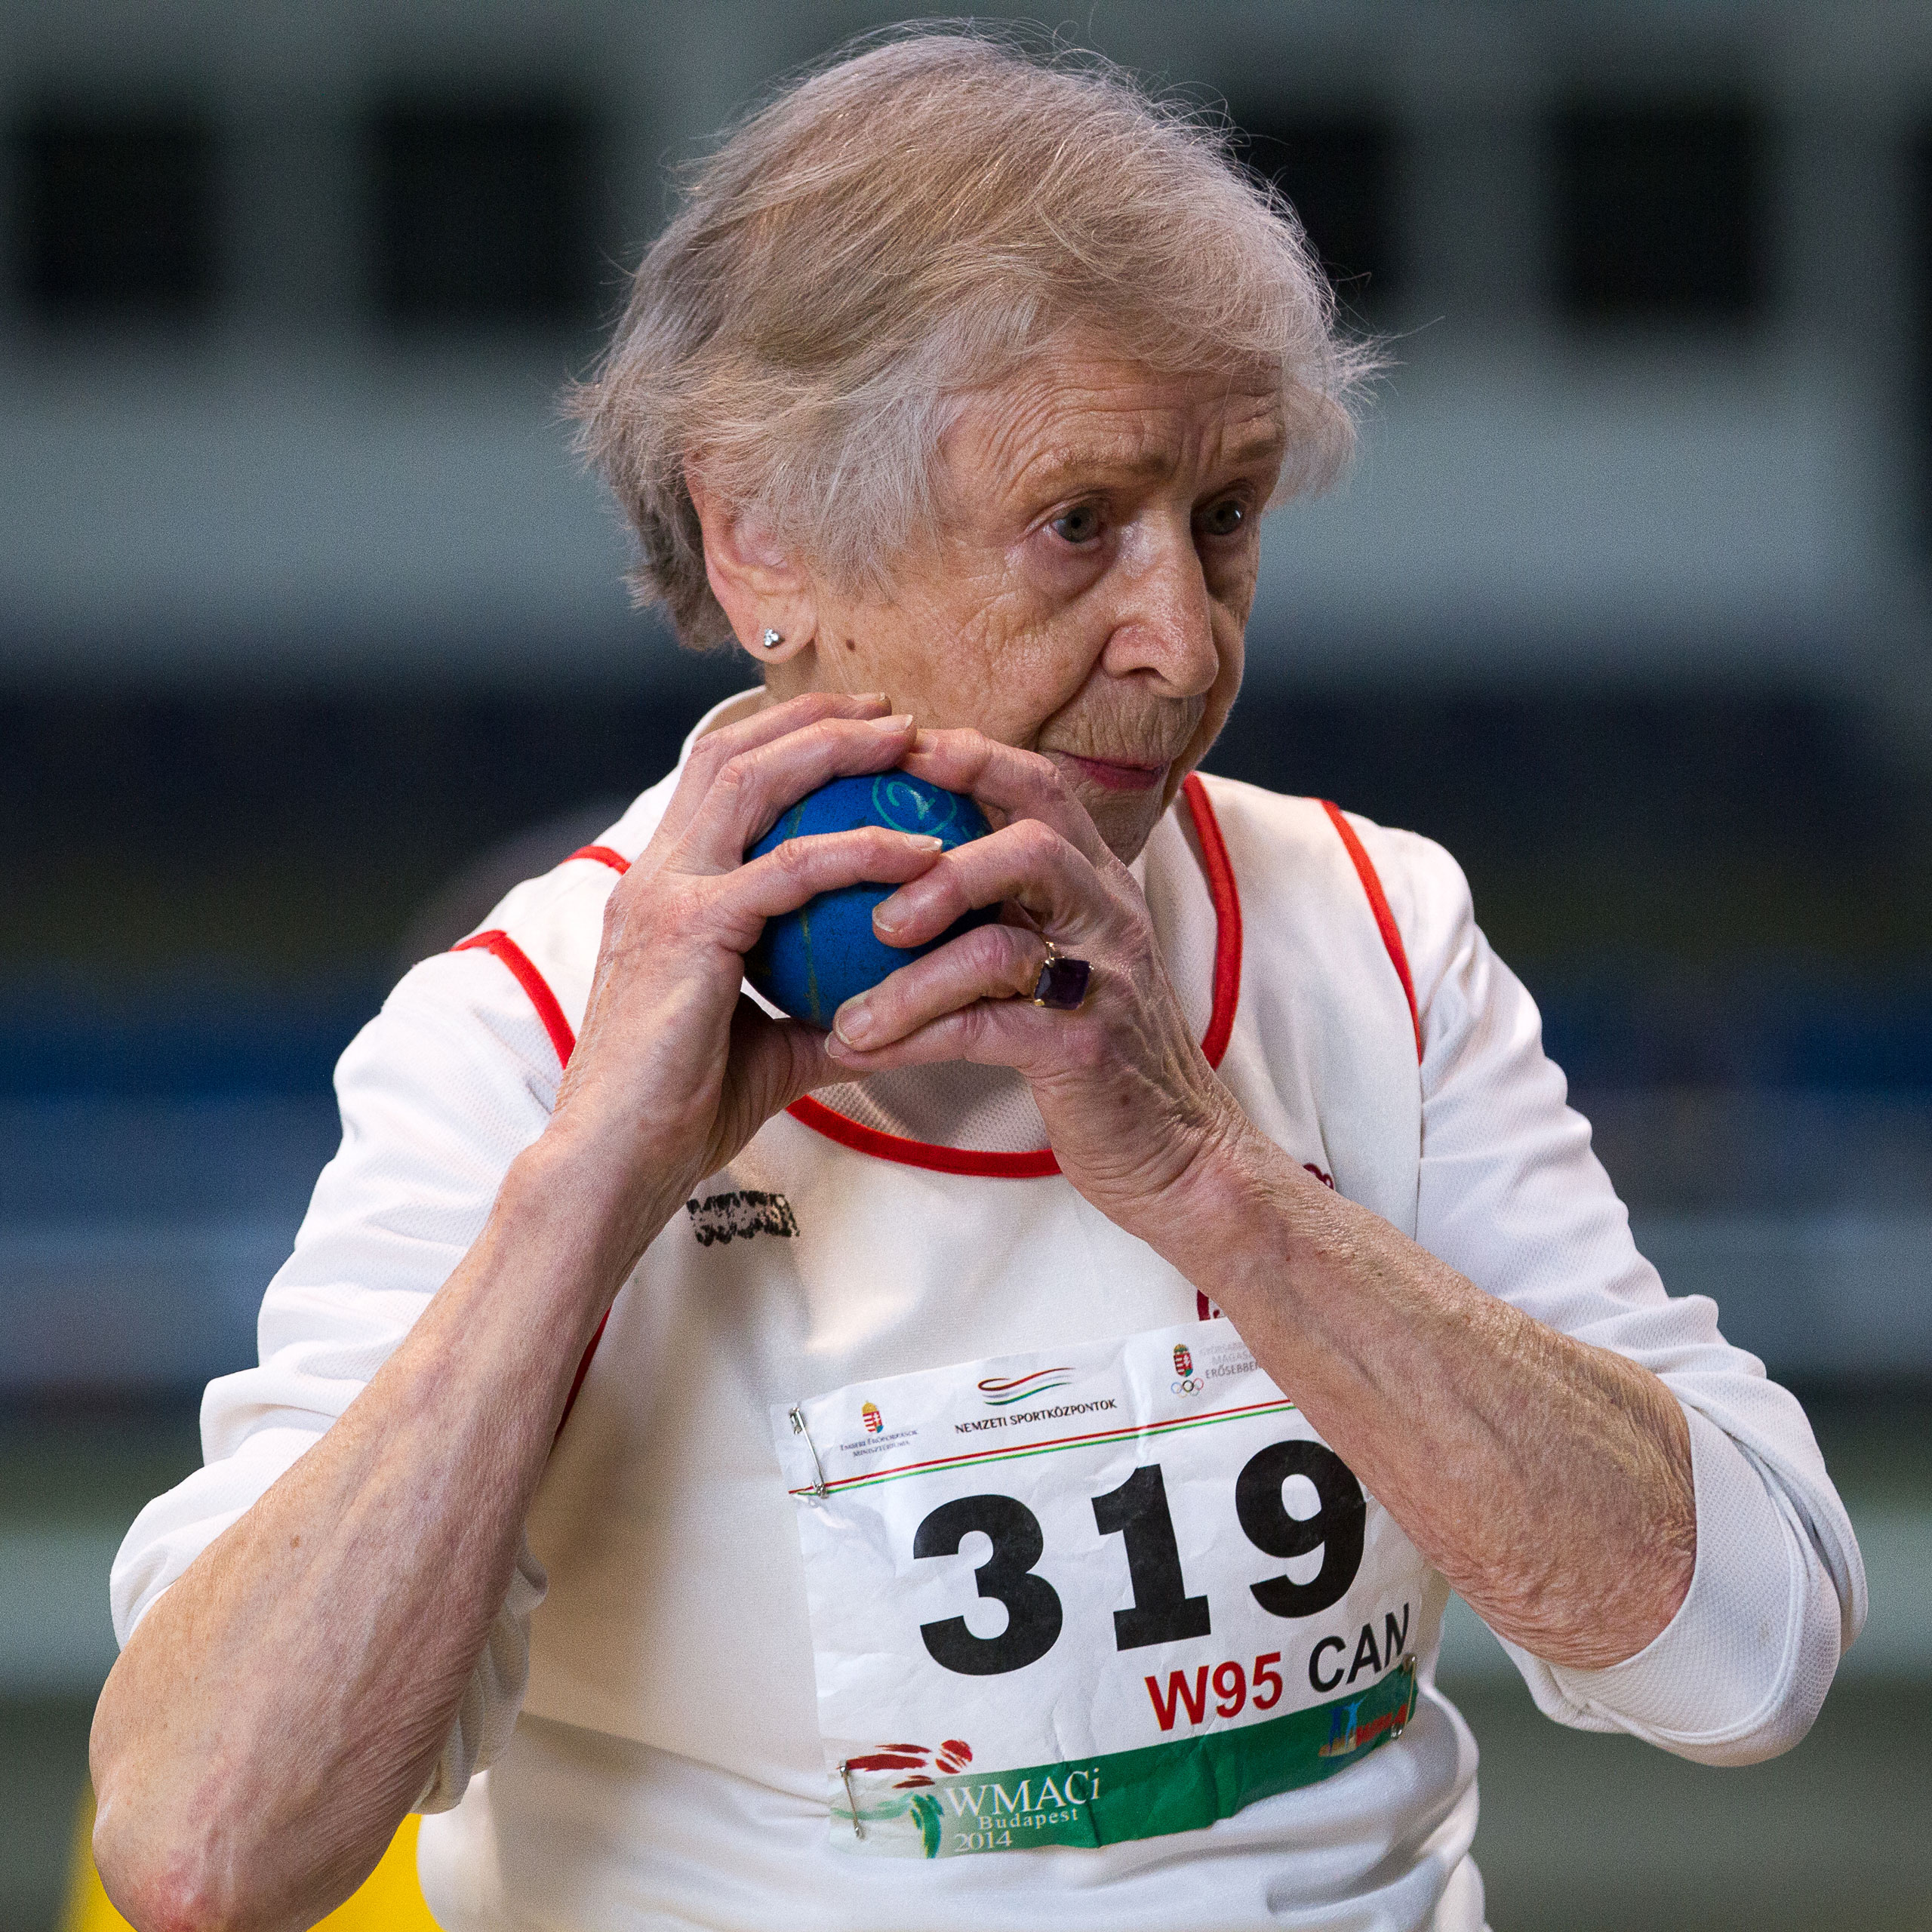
column 790, row 1461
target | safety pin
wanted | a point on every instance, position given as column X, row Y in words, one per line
column 1408, row 1709
column 821, row 1489
column 845, row 1772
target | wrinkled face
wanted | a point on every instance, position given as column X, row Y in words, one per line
column 1087, row 590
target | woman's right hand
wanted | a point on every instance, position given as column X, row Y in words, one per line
column 280, row 1706
column 674, row 1069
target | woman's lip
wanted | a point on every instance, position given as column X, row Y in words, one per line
column 1113, row 777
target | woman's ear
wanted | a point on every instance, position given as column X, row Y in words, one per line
column 765, row 592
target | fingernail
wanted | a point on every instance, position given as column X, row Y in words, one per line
column 853, row 1023
column 924, row 841
column 889, row 914
column 897, row 721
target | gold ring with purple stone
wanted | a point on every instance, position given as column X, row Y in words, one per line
column 1062, row 985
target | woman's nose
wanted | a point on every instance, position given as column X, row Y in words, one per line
column 1164, row 623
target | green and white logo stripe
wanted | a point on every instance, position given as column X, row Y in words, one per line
column 1181, row 1785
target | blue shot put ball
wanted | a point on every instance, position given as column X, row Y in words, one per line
column 810, row 962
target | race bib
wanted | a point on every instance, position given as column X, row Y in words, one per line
column 1118, row 1590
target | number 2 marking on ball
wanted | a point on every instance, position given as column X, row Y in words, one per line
column 1161, row 1612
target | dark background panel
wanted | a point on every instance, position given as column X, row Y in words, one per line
column 116, row 214
column 1663, row 211
column 483, row 210
column 1341, row 173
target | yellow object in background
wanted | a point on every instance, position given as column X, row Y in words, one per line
column 390, row 1900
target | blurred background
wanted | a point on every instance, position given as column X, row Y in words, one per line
column 305, row 611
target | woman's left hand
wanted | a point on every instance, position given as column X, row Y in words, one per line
column 1131, row 1106
column 1549, row 1480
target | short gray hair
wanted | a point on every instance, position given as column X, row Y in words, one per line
column 899, row 228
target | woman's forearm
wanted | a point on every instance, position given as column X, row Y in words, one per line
column 283, row 1705
column 1549, row 1481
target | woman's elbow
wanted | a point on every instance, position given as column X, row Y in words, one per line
column 162, row 1873
column 189, row 1867
column 173, row 1848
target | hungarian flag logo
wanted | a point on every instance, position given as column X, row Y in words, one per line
column 871, row 1417
column 1183, row 1361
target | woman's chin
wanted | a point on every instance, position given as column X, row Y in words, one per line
column 1124, row 818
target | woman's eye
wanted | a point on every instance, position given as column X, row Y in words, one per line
column 1224, row 518
column 1077, row 526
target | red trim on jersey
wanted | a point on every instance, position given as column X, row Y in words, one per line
column 604, row 855
column 501, row 945
column 1227, row 919
column 583, row 1370
column 1034, row 1164
column 1038, row 1163
column 1385, row 919
column 498, row 942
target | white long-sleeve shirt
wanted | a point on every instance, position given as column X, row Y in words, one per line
column 666, row 1769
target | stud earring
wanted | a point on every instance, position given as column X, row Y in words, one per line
column 772, row 639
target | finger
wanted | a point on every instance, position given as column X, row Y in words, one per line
column 781, row 1060
column 1017, row 784
column 791, row 874
column 990, row 962
column 748, row 734
column 752, row 788
column 988, row 1032
column 1028, row 863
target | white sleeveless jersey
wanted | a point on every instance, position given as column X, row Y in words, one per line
column 668, row 1768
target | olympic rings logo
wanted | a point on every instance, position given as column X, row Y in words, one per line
column 1190, row 1385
